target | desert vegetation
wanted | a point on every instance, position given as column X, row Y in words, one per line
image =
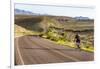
column 56, row 29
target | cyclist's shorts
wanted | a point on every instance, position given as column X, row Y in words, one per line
column 77, row 43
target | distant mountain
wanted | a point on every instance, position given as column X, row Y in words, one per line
column 81, row 18
column 23, row 12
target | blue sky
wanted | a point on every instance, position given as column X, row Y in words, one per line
column 58, row 10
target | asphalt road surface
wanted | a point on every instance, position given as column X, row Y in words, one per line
column 36, row 50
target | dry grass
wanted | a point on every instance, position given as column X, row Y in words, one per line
column 36, row 25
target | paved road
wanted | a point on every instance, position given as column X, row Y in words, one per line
column 36, row 50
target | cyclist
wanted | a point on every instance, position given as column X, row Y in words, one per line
column 77, row 40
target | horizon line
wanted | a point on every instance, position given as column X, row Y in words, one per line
column 72, row 6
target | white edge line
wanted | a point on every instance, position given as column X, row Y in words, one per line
column 19, row 53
